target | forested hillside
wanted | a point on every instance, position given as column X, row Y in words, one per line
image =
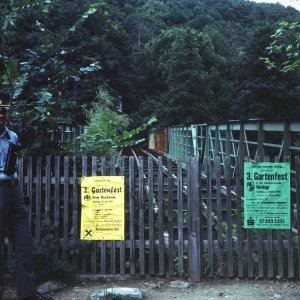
column 185, row 61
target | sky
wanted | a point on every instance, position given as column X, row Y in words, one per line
column 293, row 3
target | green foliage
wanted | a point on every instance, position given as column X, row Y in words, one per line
column 187, row 71
column 184, row 61
column 264, row 93
column 106, row 131
column 46, row 261
column 284, row 51
column 92, row 9
column 37, row 78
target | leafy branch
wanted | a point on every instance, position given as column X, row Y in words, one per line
column 284, row 51
column 106, row 132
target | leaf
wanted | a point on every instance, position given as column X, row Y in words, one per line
column 91, row 68
column 92, row 9
column 45, row 96
column 17, row 92
column 76, row 78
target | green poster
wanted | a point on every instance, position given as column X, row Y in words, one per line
column 267, row 195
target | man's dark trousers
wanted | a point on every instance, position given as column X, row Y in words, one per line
column 14, row 217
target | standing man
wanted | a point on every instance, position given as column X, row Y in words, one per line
column 13, row 211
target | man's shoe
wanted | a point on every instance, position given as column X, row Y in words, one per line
column 37, row 296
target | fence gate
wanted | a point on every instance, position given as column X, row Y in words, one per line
column 179, row 220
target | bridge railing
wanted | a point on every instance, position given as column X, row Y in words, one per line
column 274, row 138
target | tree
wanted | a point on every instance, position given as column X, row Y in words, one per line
column 264, row 93
column 181, row 58
column 184, row 71
column 35, row 67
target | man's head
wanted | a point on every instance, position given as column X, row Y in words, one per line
column 5, row 103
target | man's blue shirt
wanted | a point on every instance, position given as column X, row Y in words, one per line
column 6, row 135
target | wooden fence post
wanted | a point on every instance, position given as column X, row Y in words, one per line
column 195, row 253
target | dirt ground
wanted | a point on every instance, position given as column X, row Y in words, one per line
column 160, row 289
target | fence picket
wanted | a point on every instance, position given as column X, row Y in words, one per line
column 260, row 261
column 297, row 170
column 113, row 243
column 21, row 182
column 150, row 198
column 131, row 215
column 94, row 243
column 141, row 216
column 75, row 206
column 219, row 216
column 56, row 195
column 38, row 196
column 239, row 218
column 209, row 218
column 280, row 246
column 103, row 243
column 160, row 218
column 250, row 251
column 290, row 256
column 48, row 190
column 170, row 218
column 229, row 217
column 269, row 244
column 122, row 244
column 66, row 206
column 84, row 243
column 180, row 217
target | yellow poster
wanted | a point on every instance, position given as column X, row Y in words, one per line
column 102, row 208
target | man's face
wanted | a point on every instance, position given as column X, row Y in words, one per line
column 4, row 115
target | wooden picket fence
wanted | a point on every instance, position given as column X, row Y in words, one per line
column 178, row 221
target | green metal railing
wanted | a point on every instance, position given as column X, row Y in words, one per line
column 274, row 138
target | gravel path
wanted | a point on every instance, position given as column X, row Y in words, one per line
column 160, row 289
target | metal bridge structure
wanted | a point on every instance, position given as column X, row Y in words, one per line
column 274, row 138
